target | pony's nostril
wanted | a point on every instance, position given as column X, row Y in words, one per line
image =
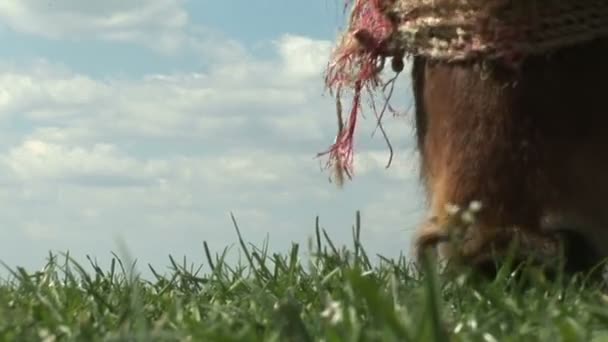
column 579, row 239
column 579, row 253
column 487, row 267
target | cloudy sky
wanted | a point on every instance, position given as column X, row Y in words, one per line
column 149, row 121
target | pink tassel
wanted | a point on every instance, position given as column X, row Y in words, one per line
column 356, row 65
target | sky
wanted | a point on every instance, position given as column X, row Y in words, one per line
column 145, row 123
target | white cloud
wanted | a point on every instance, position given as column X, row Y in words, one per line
column 161, row 160
column 303, row 57
column 102, row 164
column 403, row 167
column 281, row 95
column 47, row 92
column 162, row 25
column 110, row 19
column 39, row 231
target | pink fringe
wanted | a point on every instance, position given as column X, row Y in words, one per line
column 356, row 64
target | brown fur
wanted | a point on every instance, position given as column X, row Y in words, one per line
column 531, row 145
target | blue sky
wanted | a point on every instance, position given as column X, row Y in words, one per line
column 150, row 121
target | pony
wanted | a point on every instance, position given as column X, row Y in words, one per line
column 511, row 119
column 528, row 144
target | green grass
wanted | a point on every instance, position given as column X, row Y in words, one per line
column 339, row 294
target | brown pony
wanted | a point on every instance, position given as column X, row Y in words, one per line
column 528, row 144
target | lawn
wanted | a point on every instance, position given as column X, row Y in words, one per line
column 338, row 294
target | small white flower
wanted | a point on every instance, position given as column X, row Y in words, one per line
column 475, row 206
column 467, row 217
column 452, row 209
column 489, row 338
column 46, row 336
column 472, row 323
column 333, row 312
